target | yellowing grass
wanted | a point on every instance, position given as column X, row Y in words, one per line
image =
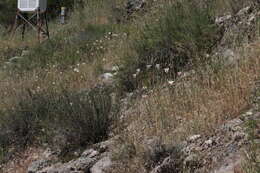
column 196, row 104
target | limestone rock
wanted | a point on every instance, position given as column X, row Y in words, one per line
column 107, row 78
column 193, row 138
column 101, row 165
column 15, row 59
column 38, row 165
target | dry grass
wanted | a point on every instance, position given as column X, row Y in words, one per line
column 196, row 104
column 24, row 159
column 81, row 76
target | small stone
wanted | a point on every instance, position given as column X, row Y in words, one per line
column 87, row 152
column 38, row 165
column 249, row 113
column 238, row 136
column 243, row 11
column 191, row 160
column 93, row 154
column 107, row 78
column 193, row 138
column 25, row 53
column 209, row 142
column 220, row 20
column 15, row 59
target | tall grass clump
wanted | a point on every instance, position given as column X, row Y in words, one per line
column 186, row 32
column 252, row 152
column 65, row 120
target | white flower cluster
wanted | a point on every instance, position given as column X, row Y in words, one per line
column 149, row 66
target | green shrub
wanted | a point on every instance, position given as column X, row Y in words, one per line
column 65, row 120
column 185, row 32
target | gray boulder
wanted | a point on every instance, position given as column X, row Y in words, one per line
column 102, row 165
column 38, row 165
column 80, row 165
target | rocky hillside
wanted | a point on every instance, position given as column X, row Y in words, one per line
column 136, row 87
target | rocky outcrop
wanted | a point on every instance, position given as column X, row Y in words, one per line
column 101, row 165
column 219, row 153
column 239, row 28
column 94, row 160
column 38, row 165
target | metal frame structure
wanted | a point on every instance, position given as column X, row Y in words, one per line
column 37, row 20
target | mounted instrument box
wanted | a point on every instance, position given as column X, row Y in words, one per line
column 32, row 5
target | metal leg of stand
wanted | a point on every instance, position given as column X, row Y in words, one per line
column 47, row 27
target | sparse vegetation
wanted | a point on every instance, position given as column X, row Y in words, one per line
column 162, row 57
column 65, row 120
column 195, row 104
column 185, row 34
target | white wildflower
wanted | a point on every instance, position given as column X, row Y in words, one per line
column 148, row 66
column 138, row 71
column 157, row 66
column 170, row 82
column 115, row 68
column 166, row 70
column 76, row 70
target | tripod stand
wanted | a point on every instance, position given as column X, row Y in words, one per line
column 37, row 20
